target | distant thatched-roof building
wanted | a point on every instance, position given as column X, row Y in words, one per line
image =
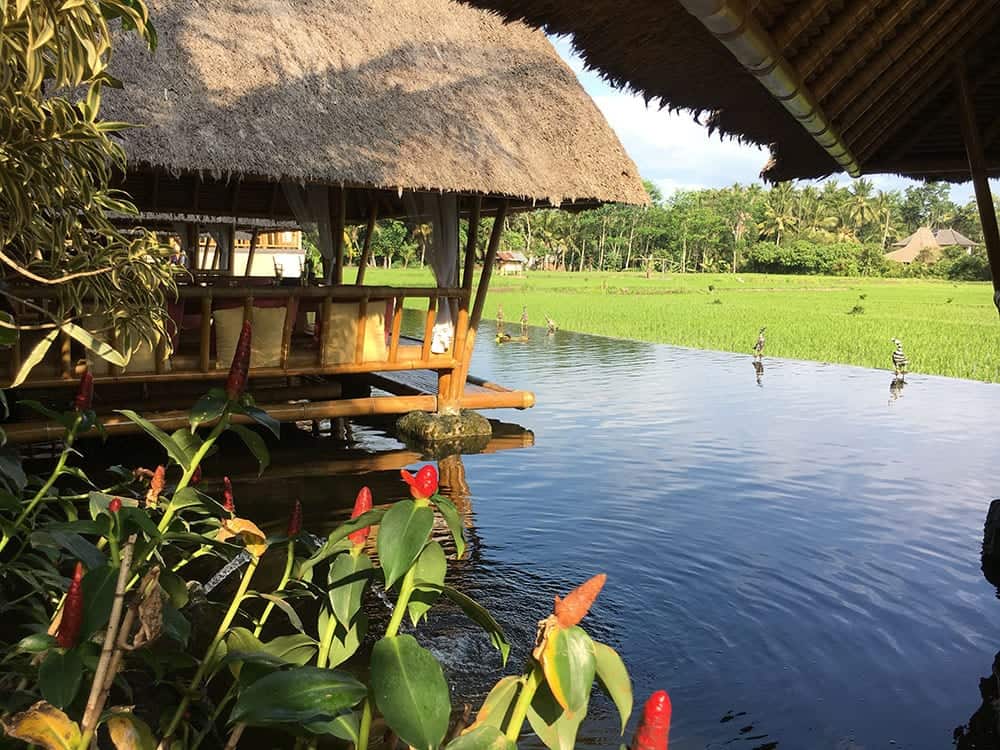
column 385, row 94
column 953, row 238
column 911, row 247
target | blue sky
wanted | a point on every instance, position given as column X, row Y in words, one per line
column 675, row 152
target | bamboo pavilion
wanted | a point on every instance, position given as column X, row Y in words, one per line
column 910, row 87
column 318, row 115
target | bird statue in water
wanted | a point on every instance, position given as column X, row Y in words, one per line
column 524, row 320
column 758, row 348
column 550, row 326
column 899, row 360
column 499, row 320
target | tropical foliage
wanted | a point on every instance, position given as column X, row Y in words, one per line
column 57, row 163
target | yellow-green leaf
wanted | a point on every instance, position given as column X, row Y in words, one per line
column 128, row 732
column 45, row 725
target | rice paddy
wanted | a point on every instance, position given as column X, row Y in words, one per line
column 947, row 328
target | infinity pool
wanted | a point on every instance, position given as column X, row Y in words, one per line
column 793, row 554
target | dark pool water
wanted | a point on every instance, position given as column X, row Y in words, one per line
column 796, row 561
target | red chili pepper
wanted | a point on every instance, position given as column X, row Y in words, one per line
column 295, row 520
column 115, row 505
column 85, row 393
column 362, row 504
column 424, row 484
column 576, row 605
column 196, row 477
column 156, row 484
column 236, row 383
column 72, row 616
column 654, row 729
column 227, row 495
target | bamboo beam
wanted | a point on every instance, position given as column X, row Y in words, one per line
column 429, row 320
column 911, row 84
column 251, row 251
column 397, row 323
column 877, row 28
column 338, row 214
column 349, row 292
column 205, row 334
column 361, row 330
column 977, row 166
column 796, row 22
column 366, row 251
column 732, row 23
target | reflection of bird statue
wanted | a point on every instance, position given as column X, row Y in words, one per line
column 499, row 321
column 758, row 367
column 758, row 348
column 550, row 326
column 899, row 360
column 524, row 321
column 896, row 389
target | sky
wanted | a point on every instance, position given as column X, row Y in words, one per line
column 675, row 152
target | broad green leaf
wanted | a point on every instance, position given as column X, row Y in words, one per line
column 37, row 354
column 175, row 625
column 8, row 334
column 36, row 643
column 284, row 606
column 175, row 587
column 401, row 537
column 207, row 409
column 410, row 691
column 46, row 726
column 41, row 408
column 569, row 664
column 98, row 597
column 264, row 419
column 189, row 497
column 497, row 706
column 346, row 640
column 78, row 547
column 175, row 452
column 135, row 518
column 349, row 574
column 371, row 518
column 98, row 347
column 454, row 520
column 99, row 503
column 552, row 725
column 59, row 677
column 12, row 470
column 613, row 677
column 345, row 727
column 188, row 441
column 431, row 567
column 297, row 696
column 256, row 444
column 481, row 738
column 129, row 732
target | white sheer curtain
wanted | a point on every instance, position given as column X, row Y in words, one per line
column 222, row 234
column 441, row 212
column 311, row 206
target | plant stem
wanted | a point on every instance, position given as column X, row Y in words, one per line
column 405, row 591
column 60, row 465
column 221, row 426
column 285, row 577
column 366, row 725
column 210, row 653
column 529, row 684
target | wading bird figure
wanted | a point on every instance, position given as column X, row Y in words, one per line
column 499, row 321
column 758, row 348
column 550, row 326
column 899, row 360
column 524, row 320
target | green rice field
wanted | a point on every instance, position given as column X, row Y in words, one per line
column 947, row 328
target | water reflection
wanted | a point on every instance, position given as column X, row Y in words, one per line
column 758, row 368
column 896, row 389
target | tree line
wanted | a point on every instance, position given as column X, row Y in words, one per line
column 825, row 229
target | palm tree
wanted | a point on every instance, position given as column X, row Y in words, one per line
column 860, row 208
column 779, row 213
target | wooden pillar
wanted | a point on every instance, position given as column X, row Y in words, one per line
column 462, row 372
column 462, row 323
column 251, row 251
column 231, row 256
column 977, row 166
column 366, row 252
column 191, row 242
column 338, row 217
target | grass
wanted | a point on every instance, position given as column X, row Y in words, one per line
column 947, row 328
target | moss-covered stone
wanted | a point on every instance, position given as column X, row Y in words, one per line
column 466, row 426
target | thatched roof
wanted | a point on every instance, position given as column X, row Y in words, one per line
column 390, row 94
column 880, row 74
column 912, row 246
column 951, row 237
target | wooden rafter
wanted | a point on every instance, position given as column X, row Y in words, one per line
column 877, row 29
column 847, row 22
column 796, row 22
column 912, row 84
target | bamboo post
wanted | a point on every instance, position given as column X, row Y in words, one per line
column 338, row 212
column 462, row 322
column 397, row 323
column 66, row 355
column 425, row 349
column 977, row 166
column 250, row 253
column 359, row 340
column 191, row 245
column 205, row 334
column 231, row 256
column 366, row 251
